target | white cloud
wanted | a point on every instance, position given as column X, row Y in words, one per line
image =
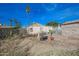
column 51, row 7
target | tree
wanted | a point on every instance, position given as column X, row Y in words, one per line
column 17, row 23
column 28, row 9
column 5, row 24
column 11, row 22
column 16, row 27
column 53, row 24
column 28, row 13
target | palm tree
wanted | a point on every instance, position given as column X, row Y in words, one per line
column 28, row 9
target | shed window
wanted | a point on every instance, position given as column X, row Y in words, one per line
column 31, row 29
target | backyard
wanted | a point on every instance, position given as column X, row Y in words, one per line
column 66, row 44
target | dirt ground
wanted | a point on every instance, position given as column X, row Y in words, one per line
column 67, row 41
column 65, row 44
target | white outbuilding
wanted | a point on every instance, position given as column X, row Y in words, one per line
column 36, row 28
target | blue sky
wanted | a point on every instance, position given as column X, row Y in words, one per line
column 39, row 12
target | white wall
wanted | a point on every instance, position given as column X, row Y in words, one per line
column 39, row 29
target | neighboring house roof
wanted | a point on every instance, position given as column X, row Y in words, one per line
column 36, row 25
column 71, row 22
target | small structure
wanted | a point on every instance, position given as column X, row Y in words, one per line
column 36, row 28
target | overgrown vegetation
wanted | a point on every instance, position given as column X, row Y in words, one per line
column 9, row 47
column 53, row 24
column 18, row 46
column 9, row 31
column 14, row 20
